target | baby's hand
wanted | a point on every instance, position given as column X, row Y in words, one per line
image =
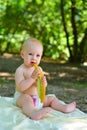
column 44, row 81
column 35, row 74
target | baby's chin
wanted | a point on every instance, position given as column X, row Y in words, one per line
column 29, row 65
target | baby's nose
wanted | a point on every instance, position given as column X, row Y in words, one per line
column 34, row 57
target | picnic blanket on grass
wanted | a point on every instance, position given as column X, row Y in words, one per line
column 12, row 118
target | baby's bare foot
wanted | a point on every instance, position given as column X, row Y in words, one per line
column 40, row 113
column 70, row 107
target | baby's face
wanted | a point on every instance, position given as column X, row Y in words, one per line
column 32, row 54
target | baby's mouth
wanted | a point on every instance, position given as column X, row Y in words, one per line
column 32, row 62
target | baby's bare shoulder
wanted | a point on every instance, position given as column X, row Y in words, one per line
column 20, row 69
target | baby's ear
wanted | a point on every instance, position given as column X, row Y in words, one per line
column 22, row 54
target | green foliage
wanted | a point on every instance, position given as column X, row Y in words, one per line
column 43, row 20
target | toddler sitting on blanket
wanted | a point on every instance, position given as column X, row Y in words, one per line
column 26, row 76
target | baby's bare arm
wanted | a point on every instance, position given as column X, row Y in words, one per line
column 23, row 83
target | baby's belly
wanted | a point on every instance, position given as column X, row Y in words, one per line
column 31, row 91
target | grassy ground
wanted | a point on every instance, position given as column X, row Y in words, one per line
column 67, row 81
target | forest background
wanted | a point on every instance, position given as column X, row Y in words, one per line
column 61, row 26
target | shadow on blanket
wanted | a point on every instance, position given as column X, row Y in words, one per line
column 12, row 118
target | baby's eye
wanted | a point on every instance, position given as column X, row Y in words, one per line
column 30, row 54
column 38, row 55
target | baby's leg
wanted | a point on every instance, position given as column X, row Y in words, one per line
column 26, row 103
column 55, row 103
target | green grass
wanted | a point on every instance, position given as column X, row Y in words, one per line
column 74, row 84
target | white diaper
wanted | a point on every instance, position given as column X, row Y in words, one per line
column 16, row 95
column 36, row 100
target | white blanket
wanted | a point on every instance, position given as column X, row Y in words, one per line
column 12, row 118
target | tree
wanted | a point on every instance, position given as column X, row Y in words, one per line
column 60, row 25
column 76, row 50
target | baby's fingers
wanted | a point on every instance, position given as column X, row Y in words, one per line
column 35, row 74
column 44, row 80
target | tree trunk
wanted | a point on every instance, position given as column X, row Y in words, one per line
column 65, row 29
column 75, row 44
column 83, row 44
